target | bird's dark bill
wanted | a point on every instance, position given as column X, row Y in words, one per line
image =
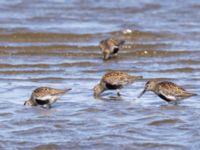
column 68, row 89
column 142, row 93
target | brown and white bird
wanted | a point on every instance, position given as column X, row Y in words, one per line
column 114, row 80
column 110, row 47
column 167, row 91
column 44, row 96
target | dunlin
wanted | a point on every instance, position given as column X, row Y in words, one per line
column 114, row 80
column 110, row 47
column 166, row 90
column 44, row 96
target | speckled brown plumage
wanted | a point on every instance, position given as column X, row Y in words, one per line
column 166, row 90
column 43, row 91
column 44, row 96
column 114, row 80
column 110, row 47
column 118, row 78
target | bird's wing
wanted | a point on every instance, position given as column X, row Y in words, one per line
column 46, row 92
column 170, row 89
column 166, row 95
column 115, row 42
column 116, row 78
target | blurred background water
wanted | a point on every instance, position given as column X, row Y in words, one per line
column 55, row 43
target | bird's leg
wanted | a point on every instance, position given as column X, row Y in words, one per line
column 118, row 92
column 47, row 106
column 174, row 102
column 177, row 102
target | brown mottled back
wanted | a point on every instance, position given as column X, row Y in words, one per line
column 118, row 78
column 170, row 88
column 114, row 42
column 42, row 91
column 110, row 43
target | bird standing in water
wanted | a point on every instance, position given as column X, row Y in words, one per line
column 110, row 47
column 167, row 91
column 44, row 96
column 114, row 80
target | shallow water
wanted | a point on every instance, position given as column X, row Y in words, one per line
column 55, row 43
